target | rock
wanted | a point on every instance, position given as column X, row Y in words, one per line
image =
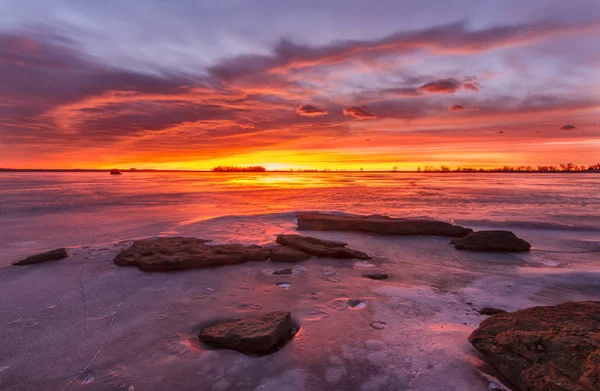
column 323, row 248
column 490, row 311
column 379, row 224
column 257, row 335
column 356, row 303
column 376, row 275
column 54, row 255
column 378, row 325
column 282, row 271
column 491, row 241
column 287, row 254
column 177, row 253
column 544, row 348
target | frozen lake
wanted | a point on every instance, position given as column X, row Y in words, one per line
column 84, row 323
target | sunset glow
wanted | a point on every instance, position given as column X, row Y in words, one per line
column 209, row 87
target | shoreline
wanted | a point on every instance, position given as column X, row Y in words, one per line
column 143, row 171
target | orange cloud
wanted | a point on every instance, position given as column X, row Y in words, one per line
column 441, row 86
column 455, row 108
column 471, row 87
column 358, row 113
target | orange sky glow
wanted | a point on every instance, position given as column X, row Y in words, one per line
column 482, row 95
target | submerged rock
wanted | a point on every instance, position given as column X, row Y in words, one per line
column 376, row 275
column 257, row 335
column 323, row 248
column 491, row 241
column 490, row 311
column 177, row 253
column 54, row 255
column 544, row 348
column 287, row 254
column 379, row 224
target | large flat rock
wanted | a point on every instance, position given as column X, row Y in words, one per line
column 491, row 241
column 177, row 253
column 54, row 255
column 379, row 224
column 287, row 254
column 257, row 335
column 318, row 247
column 544, row 348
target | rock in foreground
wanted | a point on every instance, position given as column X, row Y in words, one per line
column 491, row 241
column 257, row 335
column 544, row 348
column 287, row 254
column 322, row 248
column 379, row 224
column 177, row 253
column 54, row 255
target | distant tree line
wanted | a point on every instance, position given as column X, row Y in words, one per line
column 238, row 169
column 568, row 167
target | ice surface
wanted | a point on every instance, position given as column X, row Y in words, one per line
column 44, row 211
column 83, row 323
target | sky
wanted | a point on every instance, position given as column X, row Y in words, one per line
column 338, row 84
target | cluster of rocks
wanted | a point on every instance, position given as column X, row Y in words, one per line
column 178, row 253
column 542, row 348
column 492, row 240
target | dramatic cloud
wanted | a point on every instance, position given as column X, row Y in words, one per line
column 310, row 111
column 65, row 101
column 455, row 108
column 358, row 113
column 441, row 86
column 567, row 127
column 454, row 38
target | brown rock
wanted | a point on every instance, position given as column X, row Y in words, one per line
column 177, row 253
column 323, row 248
column 379, row 224
column 287, row 254
column 54, row 255
column 491, row 241
column 257, row 335
column 376, row 275
column 282, row 271
column 490, row 311
column 544, row 348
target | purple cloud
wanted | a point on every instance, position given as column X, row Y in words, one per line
column 310, row 111
column 567, row 127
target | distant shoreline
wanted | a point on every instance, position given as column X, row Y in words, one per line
column 92, row 170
